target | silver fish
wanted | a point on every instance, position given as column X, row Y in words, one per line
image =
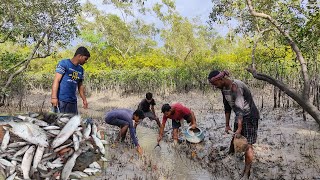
column 76, row 142
column 12, row 176
column 29, row 132
column 64, row 120
column 58, row 161
column 94, row 129
column 91, row 170
column 34, row 121
column 99, row 144
column 54, row 165
column 103, row 159
column 104, row 141
column 12, row 169
column 5, row 141
column 67, row 131
column 51, row 128
column 37, row 157
column 54, row 131
column 42, row 167
column 21, row 151
column 69, row 165
column 17, row 144
column 87, row 131
column 95, row 165
column 26, row 162
column 6, row 162
column 78, row 174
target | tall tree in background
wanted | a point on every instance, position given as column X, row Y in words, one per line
column 41, row 25
column 295, row 23
column 182, row 38
column 104, row 30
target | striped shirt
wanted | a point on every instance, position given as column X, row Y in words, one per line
column 239, row 99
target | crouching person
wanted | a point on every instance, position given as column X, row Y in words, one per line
column 176, row 112
column 123, row 118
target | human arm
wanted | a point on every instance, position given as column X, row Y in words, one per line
column 239, row 107
column 55, row 87
column 164, row 120
column 81, row 90
column 153, row 111
column 193, row 120
column 227, row 112
column 133, row 136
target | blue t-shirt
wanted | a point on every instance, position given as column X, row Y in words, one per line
column 72, row 75
column 125, row 115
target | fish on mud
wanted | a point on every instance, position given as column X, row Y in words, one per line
column 29, row 132
column 17, row 144
column 12, row 176
column 95, row 165
column 5, row 141
column 66, row 131
column 99, row 144
column 94, row 129
column 76, row 142
column 27, row 161
column 87, row 131
column 34, row 121
column 78, row 174
column 21, row 151
column 67, row 169
column 37, row 157
column 52, row 128
column 5, row 162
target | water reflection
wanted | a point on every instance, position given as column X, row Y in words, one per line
column 168, row 159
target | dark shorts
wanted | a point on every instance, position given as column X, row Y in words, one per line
column 249, row 129
column 68, row 108
column 117, row 122
column 150, row 115
column 176, row 123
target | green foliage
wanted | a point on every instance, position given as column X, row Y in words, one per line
column 125, row 54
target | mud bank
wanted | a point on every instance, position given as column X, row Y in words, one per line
column 287, row 147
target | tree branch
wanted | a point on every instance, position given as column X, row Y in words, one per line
column 6, row 38
column 25, row 64
column 304, row 70
column 306, row 105
column 17, row 65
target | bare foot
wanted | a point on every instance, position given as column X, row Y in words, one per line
column 246, row 172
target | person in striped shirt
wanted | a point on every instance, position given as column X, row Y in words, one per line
column 237, row 97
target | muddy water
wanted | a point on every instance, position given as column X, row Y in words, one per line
column 171, row 163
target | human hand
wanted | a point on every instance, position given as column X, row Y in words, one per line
column 54, row 102
column 85, row 104
column 139, row 150
column 227, row 129
column 237, row 134
column 193, row 126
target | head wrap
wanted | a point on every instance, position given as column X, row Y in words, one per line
column 214, row 75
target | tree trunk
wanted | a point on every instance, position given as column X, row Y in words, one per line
column 294, row 46
column 305, row 104
column 303, row 100
column 21, row 69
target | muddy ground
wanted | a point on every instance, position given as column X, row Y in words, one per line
column 287, row 147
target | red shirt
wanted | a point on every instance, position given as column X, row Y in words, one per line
column 180, row 112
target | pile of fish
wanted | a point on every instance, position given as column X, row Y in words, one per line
column 48, row 148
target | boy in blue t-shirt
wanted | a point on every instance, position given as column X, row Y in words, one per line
column 69, row 78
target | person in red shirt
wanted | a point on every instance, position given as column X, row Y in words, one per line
column 176, row 112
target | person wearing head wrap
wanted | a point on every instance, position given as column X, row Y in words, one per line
column 237, row 97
